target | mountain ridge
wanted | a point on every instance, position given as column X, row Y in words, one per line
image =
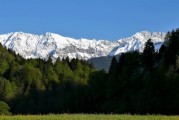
column 55, row 45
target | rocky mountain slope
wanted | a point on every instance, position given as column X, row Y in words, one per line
column 54, row 45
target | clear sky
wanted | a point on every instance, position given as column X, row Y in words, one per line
column 99, row 19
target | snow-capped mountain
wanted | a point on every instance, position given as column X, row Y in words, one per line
column 137, row 42
column 54, row 45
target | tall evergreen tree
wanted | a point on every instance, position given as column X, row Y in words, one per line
column 172, row 49
column 148, row 54
column 113, row 66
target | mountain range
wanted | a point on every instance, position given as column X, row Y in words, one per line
column 54, row 45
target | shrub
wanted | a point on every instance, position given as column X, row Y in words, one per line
column 4, row 108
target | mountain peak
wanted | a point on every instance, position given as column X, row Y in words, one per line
column 137, row 42
column 149, row 34
column 48, row 34
column 54, row 45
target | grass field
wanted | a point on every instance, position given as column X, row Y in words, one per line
column 88, row 117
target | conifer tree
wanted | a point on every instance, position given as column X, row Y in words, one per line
column 113, row 65
column 172, row 49
column 148, row 54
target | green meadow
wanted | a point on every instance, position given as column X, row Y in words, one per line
column 89, row 117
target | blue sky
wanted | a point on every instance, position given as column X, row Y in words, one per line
column 99, row 19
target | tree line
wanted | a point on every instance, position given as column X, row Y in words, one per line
column 137, row 83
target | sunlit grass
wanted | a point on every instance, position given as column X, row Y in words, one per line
column 88, row 117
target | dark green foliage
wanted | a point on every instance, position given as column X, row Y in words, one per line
column 113, row 66
column 4, row 108
column 73, row 64
column 37, row 86
column 97, row 90
column 148, row 54
column 172, row 49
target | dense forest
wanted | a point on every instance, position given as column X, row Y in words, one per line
column 137, row 83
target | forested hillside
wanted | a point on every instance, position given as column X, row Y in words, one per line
column 136, row 83
column 37, row 86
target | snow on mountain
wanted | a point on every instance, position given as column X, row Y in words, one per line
column 137, row 42
column 54, row 45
